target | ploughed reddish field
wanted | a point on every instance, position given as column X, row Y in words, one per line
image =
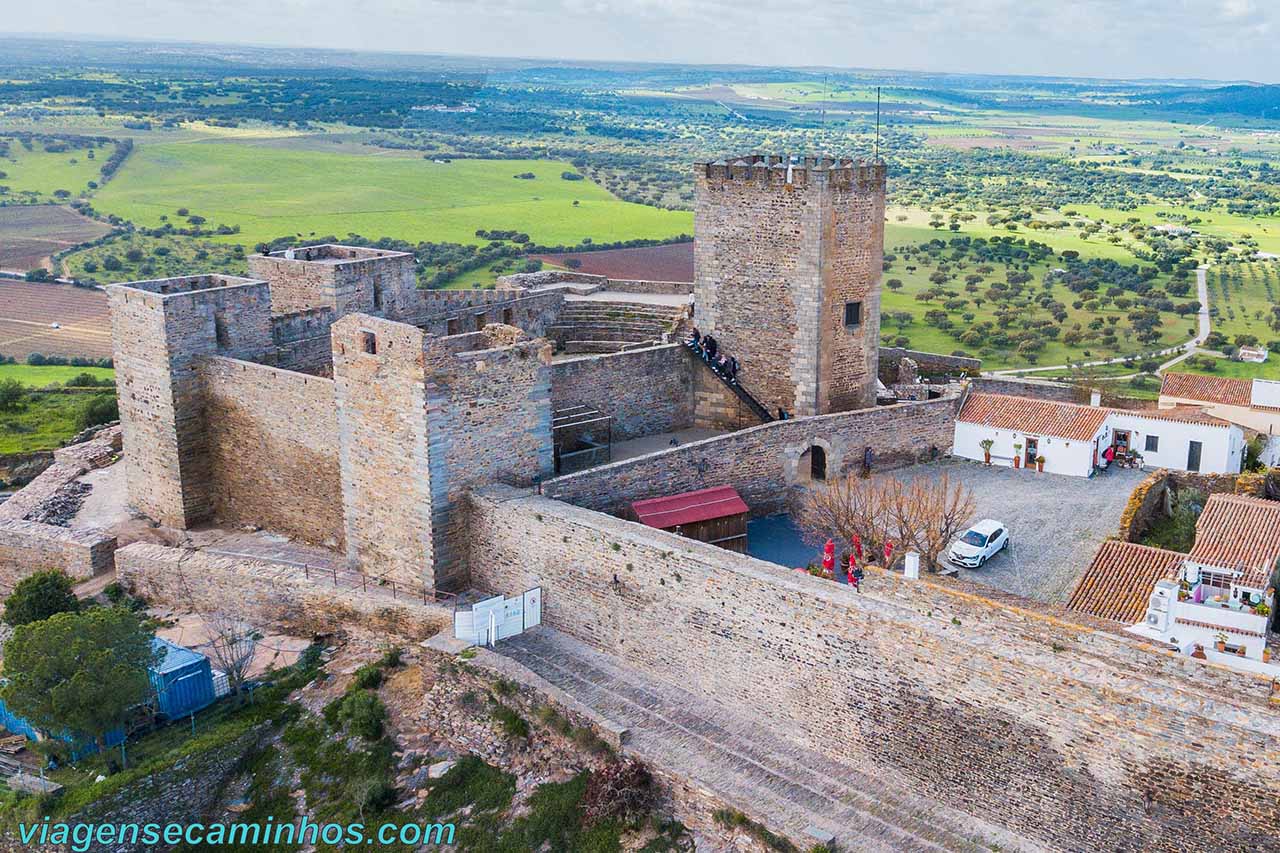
column 28, row 312
column 672, row 262
column 31, row 233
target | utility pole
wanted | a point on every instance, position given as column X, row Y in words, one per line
column 876, row 157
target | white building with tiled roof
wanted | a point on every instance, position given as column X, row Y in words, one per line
column 1218, row 602
column 1250, row 403
column 1073, row 438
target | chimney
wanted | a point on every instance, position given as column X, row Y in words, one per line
column 1095, row 397
column 911, row 567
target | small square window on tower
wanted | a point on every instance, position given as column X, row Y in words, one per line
column 369, row 342
column 852, row 314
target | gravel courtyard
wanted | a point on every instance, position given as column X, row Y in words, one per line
column 1055, row 522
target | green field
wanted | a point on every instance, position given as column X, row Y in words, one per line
column 37, row 174
column 136, row 257
column 1269, row 369
column 39, row 377
column 271, row 192
column 42, row 422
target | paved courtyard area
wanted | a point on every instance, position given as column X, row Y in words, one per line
column 1055, row 522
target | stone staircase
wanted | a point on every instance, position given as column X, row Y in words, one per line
column 590, row 326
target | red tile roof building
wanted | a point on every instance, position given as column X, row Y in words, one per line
column 1118, row 581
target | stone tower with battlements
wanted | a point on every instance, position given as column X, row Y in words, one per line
column 162, row 329
column 787, row 262
column 347, row 279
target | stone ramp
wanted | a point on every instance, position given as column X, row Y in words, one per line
column 793, row 790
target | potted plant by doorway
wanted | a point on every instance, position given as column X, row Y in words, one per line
column 986, row 444
column 1220, row 641
column 1017, row 455
column 1040, row 463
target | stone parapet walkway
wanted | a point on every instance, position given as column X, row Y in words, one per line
column 792, row 790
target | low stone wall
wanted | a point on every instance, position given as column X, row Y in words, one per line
column 302, row 340
column 451, row 312
column 1040, row 389
column 764, row 461
column 27, row 547
column 271, row 594
column 544, row 278
column 646, row 391
column 273, row 449
column 928, row 363
column 1147, row 503
column 69, row 464
column 1076, row 738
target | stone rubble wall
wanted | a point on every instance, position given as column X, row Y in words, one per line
column 27, row 547
column 646, row 391
column 763, row 461
column 1080, row 739
column 272, row 594
column 273, row 445
column 1039, row 389
column 544, row 278
column 929, row 364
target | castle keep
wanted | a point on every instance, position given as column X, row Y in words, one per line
column 787, row 268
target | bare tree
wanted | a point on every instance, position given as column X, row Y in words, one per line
column 928, row 515
column 843, row 508
column 232, row 647
column 922, row 515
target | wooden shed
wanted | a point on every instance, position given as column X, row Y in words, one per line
column 717, row 515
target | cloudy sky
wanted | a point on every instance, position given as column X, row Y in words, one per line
column 1216, row 39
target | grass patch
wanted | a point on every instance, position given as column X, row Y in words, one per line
column 40, row 377
column 44, row 421
column 271, row 191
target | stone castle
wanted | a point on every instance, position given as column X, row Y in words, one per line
column 419, row 437
column 384, row 404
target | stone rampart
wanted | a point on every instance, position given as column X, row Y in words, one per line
column 763, row 461
column 1071, row 736
column 273, row 594
column 273, row 449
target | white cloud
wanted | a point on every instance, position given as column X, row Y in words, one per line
column 1217, row 39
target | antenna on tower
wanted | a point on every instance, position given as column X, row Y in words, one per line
column 876, row 157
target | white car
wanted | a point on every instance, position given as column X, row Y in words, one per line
column 979, row 543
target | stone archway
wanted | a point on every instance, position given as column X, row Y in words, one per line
column 814, row 461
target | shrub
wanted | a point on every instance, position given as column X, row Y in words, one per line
column 364, row 714
column 367, row 677
column 513, row 725
column 38, row 597
column 100, row 410
column 11, row 394
column 622, row 791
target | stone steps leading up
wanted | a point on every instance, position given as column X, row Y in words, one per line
column 743, row 762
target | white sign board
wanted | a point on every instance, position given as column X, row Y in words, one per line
column 498, row 618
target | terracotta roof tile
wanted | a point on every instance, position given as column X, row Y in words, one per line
column 1208, row 389
column 1039, row 417
column 1118, row 582
column 1239, row 533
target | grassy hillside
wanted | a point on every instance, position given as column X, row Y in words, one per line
column 36, row 174
column 1241, row 299
column 271, row 192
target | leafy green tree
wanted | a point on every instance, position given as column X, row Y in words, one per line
column 11, row 393
column 38, row 597
column 79, row 672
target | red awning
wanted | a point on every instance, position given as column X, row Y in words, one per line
column 690, row 507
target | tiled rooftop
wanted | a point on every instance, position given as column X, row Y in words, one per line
column 1209, row 389
column 1239, row 533
column 1119, row 580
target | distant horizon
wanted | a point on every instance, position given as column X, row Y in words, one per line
column 586, row 61
column 1218, row 41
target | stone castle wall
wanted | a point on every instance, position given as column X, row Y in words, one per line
column 1039, row 389
column 302, row 341
column 646, row 391
column 1076, row 738
column 27, row 547
column 273, row 449
column 763, row 461
column 272, row 594
column 599, row 282
column 455, row 312
column 346, row 279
